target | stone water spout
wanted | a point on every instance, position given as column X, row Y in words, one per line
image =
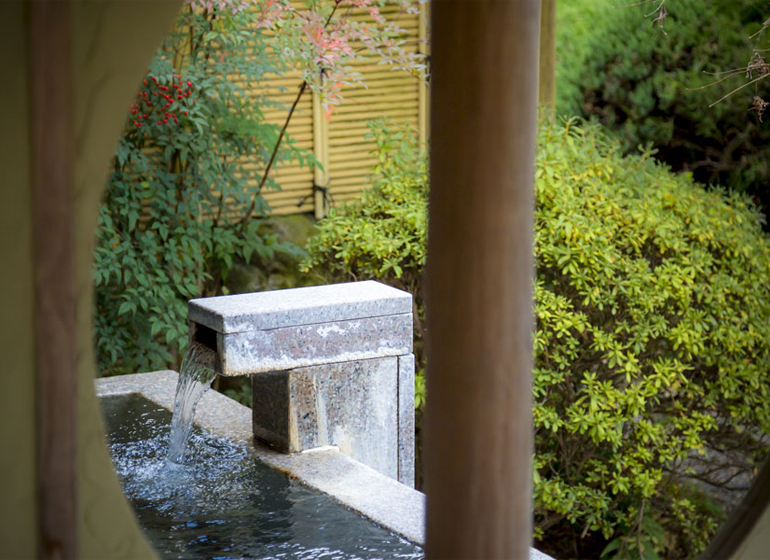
column 329, row 365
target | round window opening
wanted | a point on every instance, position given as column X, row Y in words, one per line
column 252, row 126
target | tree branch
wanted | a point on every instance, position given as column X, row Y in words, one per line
column 270, row 162
column 273, row 155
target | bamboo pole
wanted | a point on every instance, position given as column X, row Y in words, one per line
column 422, row 48
column 321, row 151
column 547, row 77
column 478, row 441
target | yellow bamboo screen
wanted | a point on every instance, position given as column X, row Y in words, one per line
column 296, row 194
column 338, row 143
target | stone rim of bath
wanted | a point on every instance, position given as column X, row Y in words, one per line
column 382, row 500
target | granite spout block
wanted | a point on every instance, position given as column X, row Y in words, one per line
column 329, row 365
column 286, row 329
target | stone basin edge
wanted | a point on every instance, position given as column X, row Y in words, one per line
column 380, row 499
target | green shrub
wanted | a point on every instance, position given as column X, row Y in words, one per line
column 652, row 350
column 642, row 82
column 652, row 345
column 382, row 235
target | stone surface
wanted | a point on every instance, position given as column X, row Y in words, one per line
column 298, row 306
column 383, row 500
column 285, row 348
column 351, row 405
column 406, row 420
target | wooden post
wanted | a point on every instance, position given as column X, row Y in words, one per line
column 478, row 441
column 547, row 78
column 54, row 246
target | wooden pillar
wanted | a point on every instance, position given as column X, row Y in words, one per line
column 547, row 78
column 54, row 253
column 478, row 441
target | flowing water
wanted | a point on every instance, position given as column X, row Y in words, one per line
column 195, row 378
column 224, row 503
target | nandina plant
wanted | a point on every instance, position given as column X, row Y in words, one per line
column 169, row 228
column 181, row 206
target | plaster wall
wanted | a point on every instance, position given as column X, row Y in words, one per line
column 112, row 43
column 18, row 526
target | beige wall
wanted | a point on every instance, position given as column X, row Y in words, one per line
column 17, row 432
column 112, row 45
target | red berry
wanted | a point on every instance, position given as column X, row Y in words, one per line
column 185, row 113
column 165, row 121
column 189, row 84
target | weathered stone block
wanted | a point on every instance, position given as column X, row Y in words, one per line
column 314, row 344
column 352, row 405
column 298, row 306
column 330, row 365
column 286, row 329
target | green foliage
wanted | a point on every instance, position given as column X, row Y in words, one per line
column 653, row 340
column 237, row 388
column 382, row 236
column 643, row 81
column 169, row 229
column 652, row 350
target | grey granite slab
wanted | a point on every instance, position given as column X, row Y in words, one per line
column 350, row 405
column 298, row 306
column 381, row 499
column 406, row 420
column 286, row 348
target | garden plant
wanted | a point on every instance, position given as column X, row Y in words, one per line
column 652, row 347
column 673, row 86
column 181, row 204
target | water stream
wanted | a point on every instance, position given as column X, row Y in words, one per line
column 195, row 379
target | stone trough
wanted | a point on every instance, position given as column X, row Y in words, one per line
column 332, row 377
